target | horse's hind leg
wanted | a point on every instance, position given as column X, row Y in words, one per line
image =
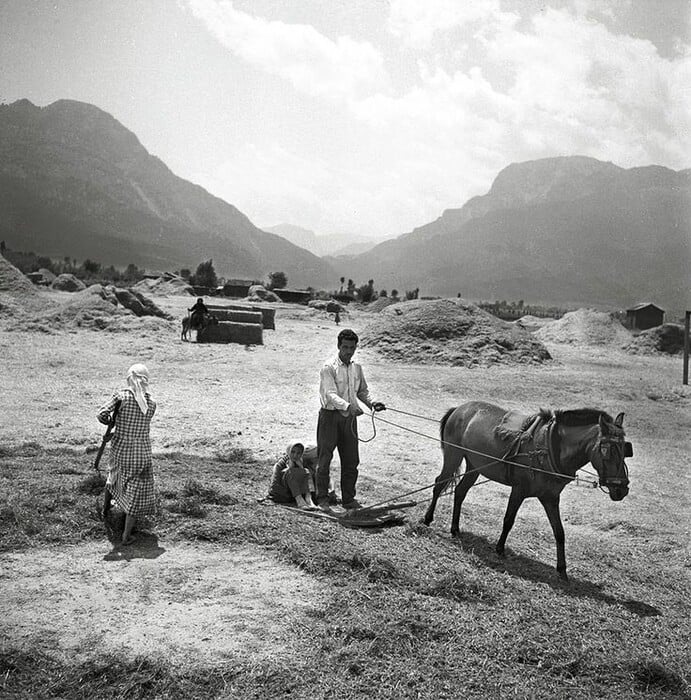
column 551, row 506
column 515, row 500
column 452, row 461
column 465, row 484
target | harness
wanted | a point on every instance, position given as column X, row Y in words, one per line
column 539, row 441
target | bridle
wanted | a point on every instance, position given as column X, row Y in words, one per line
column 608, row 450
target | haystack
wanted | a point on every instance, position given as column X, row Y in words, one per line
column 18, row 296
column 97, row 308
column 258, row 293
column 68, row 283
column 164, row 286
column 268, row 315
column 449, row 332
column 237, row 316
column 585, row 327
column 666, row 339
column 380, row 304
column 328, row 305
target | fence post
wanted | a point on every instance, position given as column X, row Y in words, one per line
column 686, row 346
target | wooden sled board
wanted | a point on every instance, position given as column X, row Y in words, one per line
column 348, row 518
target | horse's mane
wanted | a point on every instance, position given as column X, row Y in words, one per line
column 581, row 416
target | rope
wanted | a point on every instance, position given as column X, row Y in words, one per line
column 495, row 460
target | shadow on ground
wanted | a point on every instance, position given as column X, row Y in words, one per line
column 527, row 568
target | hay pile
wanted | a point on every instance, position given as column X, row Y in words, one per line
column 380, row 303
column 17, row 294
column 164, row 286
column 99, row 308
column 449, row 332
column 258, row 293
column 328, row 305
column 585, row 327
column 532, row 323
column 667, row 339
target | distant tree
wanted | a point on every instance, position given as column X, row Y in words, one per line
column 91, row 266
column 185, row 273
column 205, row 276
column 340, row 291
column 2, row 250
column 383, row 293
column 365, row 292
column 133, row 273
column 351, row 287
column 394, row 293
column 412, row 294
column 277, row 280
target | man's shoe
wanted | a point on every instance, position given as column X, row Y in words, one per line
column 353, row 505
column 323, row 504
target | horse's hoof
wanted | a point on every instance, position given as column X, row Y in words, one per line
column 456, row 534
column 563, row 576
column 500, row 551
column 424, row 521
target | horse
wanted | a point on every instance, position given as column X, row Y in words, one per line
column 195, row 322
column 536, row 455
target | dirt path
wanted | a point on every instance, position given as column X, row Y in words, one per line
column 196, row 603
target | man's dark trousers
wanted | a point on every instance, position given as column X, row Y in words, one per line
column 335, row 431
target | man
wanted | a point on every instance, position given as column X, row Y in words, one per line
column 341, row 383
column 198, row 313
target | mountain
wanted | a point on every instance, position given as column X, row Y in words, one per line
column 75, row 182
column 567, row 230
column 322, row 245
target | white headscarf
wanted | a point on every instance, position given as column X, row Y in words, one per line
column 138, row 382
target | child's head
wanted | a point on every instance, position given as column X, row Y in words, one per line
column 295, row 450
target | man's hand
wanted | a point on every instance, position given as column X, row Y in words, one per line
column 355, row 410
column 378, row 406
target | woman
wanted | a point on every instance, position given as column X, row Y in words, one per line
column 130, row 481
column 292, row 480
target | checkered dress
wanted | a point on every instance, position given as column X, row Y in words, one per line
column 130, row 474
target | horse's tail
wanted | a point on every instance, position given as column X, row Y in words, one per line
column 442, row 425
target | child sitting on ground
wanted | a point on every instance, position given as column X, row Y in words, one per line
column 292, row 480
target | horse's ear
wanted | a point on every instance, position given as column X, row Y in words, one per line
column 619, row 420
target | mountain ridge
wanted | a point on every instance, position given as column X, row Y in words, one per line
column 76, row 182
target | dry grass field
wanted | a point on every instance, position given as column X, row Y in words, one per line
column 226, row 597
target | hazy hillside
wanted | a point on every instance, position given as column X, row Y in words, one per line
column 566, row 230
column 75, row 182
column 322, row 245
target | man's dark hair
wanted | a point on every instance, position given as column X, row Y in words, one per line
column 347, row 334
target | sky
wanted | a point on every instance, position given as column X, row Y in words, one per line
column 363, row 117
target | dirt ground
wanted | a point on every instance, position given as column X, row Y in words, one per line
column 203, row 602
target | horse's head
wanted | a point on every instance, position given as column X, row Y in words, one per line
column 608, row 455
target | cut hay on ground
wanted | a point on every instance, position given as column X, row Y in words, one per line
column 449, row 332
column 67, row 283
column 229, row 332
column 585, row 327
column 667, row 339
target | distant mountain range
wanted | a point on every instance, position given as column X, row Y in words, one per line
column 75, row 182
column 322, row 245
column 568, row 230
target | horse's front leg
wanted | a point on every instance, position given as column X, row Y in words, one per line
column 551, row 506
column 459, row 496
column 515, row 500
column 452, row 460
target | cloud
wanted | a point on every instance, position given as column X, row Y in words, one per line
column 316, row 65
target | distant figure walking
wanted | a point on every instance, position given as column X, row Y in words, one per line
column 130, row 481
column 337, row 318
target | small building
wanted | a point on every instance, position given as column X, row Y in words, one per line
column 643, row 316
column 294, row 296
column 237, row 288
